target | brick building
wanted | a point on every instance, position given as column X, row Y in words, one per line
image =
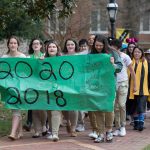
column 90, row 16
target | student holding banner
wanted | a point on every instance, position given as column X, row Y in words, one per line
column 39, row 117
column 105, row 119
column 91, row 114
column 71, row 48
column 54, row 117
column 16, row 130
column 122, row 89
column 84, row 49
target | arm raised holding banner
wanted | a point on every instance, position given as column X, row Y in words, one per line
column 54, row 117
column 38, row 117
column 71, row 48
column 100, row 46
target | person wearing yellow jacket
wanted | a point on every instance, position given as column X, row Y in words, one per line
column 139, row 97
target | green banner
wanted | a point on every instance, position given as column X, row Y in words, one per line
column 79, row 82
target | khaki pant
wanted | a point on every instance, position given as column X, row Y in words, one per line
column 72, row 119
column 39, row 120
column 92, row 117
column 54, row 120
column 104, row 121
column 120, row 104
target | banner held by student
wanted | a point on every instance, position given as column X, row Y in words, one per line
column 80, row 82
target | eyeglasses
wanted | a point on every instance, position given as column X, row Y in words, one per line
column 37, row 43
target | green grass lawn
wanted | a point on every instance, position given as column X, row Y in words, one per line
column 147, row 147
column 5, row 120
column 5, row 127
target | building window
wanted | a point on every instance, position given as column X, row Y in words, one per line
column 94, row 20
column 56, row 25
column 98, row 22
column 96, row 3
column 145, row 22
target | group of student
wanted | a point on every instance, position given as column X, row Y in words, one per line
column 132, row 72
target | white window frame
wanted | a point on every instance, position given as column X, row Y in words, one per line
column 99, row 31
column 141, row 25
column 58, row 22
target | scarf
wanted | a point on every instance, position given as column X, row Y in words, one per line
column 141, row 73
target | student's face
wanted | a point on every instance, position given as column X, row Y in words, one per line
column 99, row 46
column 137, row 54
column 52, row 49
column 36, row 45
column 131, row 47
column 13, row 45
column 91, row 40
column 70, row 47
column 84, row 47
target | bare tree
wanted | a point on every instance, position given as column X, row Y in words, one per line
column 74, row 26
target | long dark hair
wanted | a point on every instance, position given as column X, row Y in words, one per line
column 102, row 39
column 12, row 37
column 58, row 48
column 31, row 51
column 65, row 50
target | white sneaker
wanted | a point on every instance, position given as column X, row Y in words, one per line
column 122, row 131
column 116, row 132
column 93, row 135
column 99, row 139
column 80, row 128
column 50, row 137
column 55, row 138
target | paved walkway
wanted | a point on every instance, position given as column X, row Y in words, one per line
column 134, row 140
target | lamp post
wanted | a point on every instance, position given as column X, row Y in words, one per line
column 112, row 11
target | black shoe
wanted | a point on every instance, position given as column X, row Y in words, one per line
column 141, row 126
column 136, row 128
column 27, row 128
column 44, row 133
column 136, row 125
column 35, row 136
